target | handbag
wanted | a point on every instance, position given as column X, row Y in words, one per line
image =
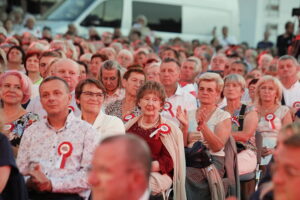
column 197, row 156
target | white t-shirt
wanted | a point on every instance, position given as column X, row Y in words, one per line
column 292, row 94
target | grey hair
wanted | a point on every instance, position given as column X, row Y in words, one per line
column 288, row 57
column 294, row 139
column 198, row 64
column 237, row 79
column 110, row 65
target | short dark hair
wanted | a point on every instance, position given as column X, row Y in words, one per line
column 81, row 84
column 168, row 60
column 53, row 78
column 28, row 56
column 131, row 70
column 253, row 81
column 103, row 57
column 84, row 64
column 173, row 50
column 19, row 49
column 287, row 24
column 137, row 151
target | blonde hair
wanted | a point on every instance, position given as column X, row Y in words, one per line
column 210, row 76
column 277, row 84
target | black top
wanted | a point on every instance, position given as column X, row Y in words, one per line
column 15, row 188
column 283, row 43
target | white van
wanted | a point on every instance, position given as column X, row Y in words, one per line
column 188, row 19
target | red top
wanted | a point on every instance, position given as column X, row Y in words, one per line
column 158, row 150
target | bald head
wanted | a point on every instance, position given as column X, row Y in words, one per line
column 68, row 70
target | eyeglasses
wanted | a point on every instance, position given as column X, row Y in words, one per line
column 91, row 94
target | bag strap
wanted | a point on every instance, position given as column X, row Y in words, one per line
column 241, row 116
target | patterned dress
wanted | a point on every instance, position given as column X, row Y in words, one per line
column 17, row 127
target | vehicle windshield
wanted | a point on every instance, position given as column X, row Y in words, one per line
column 68, row 10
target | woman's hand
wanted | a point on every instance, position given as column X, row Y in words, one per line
column 266, row 151
column 182, row 116
column 201, row 117
column 155, row 166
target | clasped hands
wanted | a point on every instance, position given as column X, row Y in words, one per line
column 38, row 180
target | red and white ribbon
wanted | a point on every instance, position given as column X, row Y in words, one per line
column 162, row 129
column 8, row 127
column 71, row 108
column 128, row 117
column 168, row 107
column 296, row 105
column 270, row 118
column 64, row 150
column 235, row 120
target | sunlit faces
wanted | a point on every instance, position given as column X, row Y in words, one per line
column 110, row 79
column 134, row 82
column 150, row 104
column 68, row 71
column 108, row 181
column 232, row 90
column 32, row 64
column 10, row 91
column 187, row 71
column 268, row 91
column 287, row 68
column 95, row 66
column 207, row 92
column 286, row 173
column 169, row 73
column 44, row 64
column 91, row 99
column 54, row 97
column 15, row 56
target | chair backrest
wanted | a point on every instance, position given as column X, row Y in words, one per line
column 258, row 142
column 231, row 168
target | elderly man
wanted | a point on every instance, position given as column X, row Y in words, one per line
column 176, row 96
column 126, row 175
column 110, row 77
column 218, row 63
column 190, row 68
column 287, row 71
column 56, row 152
column 68, row 70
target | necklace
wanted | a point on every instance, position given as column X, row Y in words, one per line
column 147, row 126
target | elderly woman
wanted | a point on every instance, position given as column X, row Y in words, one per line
column 90, row 95
column 210, row 126
column 272, row 115
column 15, row 58
column 125, row 58
column 15, row 90
column 244, row 122
column 164, row 139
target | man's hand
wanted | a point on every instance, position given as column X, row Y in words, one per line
column 38, row 180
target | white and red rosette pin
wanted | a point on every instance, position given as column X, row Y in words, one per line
column 162, row 129
column 235, row 120
column 270, row 117
column 71, row 108
column 64, row 151
column 168, row 107
column 128, row 117
column 296, row 105
column 8, row 127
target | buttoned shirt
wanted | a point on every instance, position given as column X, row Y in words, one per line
column 40, row 144
column 292, row 94
column 180, row 98
column 35, row 106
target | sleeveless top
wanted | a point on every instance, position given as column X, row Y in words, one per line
column 217, row 117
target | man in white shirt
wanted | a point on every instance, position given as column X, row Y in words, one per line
column 121, row 169
column 55, row 153
column 68, row 70
column 176, row 96
column 287, row 71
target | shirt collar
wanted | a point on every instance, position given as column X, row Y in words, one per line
column 67, row 124
column 179, row 90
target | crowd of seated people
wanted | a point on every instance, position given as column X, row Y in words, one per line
column 193, row 111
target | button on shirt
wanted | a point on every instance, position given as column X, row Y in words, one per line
column 292, row 94
column 180, row 98
column 40, row 144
